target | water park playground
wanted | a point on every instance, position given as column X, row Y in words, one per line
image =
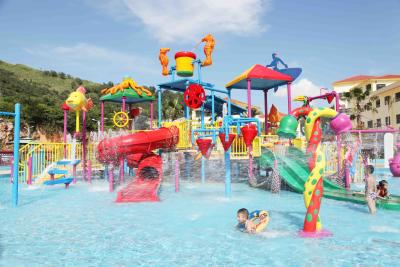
column 168, row 195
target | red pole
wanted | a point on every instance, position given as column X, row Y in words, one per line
column 289, row 97
column 266, row 111
column 65, row 133
column 84, row 147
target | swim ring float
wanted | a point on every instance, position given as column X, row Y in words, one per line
column 260, row 218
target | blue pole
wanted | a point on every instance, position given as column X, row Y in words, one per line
column 229, row 102
column 16, row 153
column 212, row 107
column 106, row 172
column 199, row 70
column 187, row 111
column 228, row 190
column 159, row 107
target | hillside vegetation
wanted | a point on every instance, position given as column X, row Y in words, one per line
column 58, row 81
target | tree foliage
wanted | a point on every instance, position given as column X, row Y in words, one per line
column 361, row 101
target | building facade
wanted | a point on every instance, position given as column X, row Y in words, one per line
column 385, row 93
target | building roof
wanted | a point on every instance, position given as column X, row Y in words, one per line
column 360, row 78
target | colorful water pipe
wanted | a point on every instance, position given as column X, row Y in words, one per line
column 316, row 159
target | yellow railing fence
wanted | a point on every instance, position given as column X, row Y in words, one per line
column 42, row 155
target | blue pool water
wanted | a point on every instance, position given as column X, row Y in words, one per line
column 82, row 226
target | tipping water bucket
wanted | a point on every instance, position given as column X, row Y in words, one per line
column 184, row 63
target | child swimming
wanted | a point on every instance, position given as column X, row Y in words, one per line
column 244, row 224
column 255, row 222
column 383, row 189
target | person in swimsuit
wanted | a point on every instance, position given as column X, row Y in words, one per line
column 370, row 189
column 244, row 224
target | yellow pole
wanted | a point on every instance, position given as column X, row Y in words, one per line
column 77, row 121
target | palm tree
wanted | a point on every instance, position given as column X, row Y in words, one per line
column 360, row 102
column 172, row 106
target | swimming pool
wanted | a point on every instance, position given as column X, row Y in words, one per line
column 82, row 226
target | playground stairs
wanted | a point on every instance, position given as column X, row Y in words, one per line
column 58, row 173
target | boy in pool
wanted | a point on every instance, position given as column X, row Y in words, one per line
column 244, row 224
column 370, row 189
column 383, row 189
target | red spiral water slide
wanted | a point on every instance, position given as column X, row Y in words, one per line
column 149, row 173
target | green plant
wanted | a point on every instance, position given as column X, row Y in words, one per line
column 360, row 101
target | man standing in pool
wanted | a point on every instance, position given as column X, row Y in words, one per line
column 370, row 189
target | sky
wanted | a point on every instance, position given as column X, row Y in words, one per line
column 106, row 40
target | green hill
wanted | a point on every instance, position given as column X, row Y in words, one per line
column 58, row 81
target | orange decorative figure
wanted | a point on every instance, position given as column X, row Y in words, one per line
column 208, row 49
column 164, row 60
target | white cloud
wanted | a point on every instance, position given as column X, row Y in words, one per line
column 302, row 87
column 185, row 20
column 98, row 63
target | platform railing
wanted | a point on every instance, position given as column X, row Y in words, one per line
column 36, row 157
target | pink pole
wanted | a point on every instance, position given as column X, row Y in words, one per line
column 89, row 171
column 347, row 174
column 102, row 116
column 249, row 116
column 30, row 170
column 65, row 133
column 74, row 173
column 111, row 178
column 12, row 171
column 249, row 98
column 176, row 175
column 84, row 147
column 123, row 103
column 289, row 97
column 121, row 171
column 151, row 114
column 266, row 111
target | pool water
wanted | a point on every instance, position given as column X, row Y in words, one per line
column 82, row 226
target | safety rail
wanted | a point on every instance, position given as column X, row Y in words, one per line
column 36, row 157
